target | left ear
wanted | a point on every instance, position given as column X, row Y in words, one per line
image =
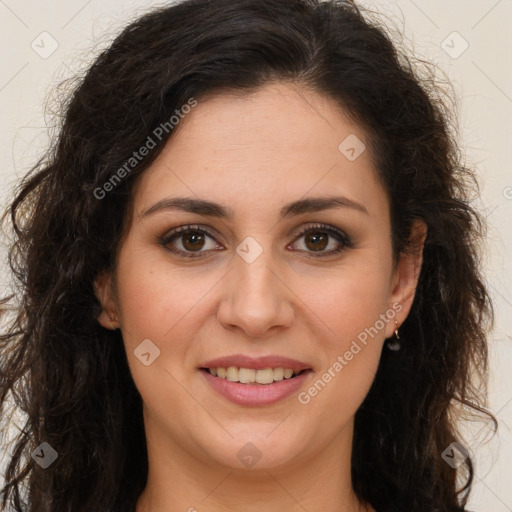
column 407, row 273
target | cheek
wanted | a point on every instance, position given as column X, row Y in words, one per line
column 156, row 298
column 351, row 345
column 354, row 312
column 158, row 304
column 166, row 305
column 349, row 300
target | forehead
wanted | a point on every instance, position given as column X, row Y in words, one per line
column 262, row 149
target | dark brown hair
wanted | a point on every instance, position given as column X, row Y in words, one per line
column 70, row 376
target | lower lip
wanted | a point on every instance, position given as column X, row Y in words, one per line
column 255, row 395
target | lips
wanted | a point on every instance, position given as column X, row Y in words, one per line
column 253, row 394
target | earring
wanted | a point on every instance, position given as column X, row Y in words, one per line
column 394, row 344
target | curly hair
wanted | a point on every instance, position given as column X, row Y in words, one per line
column 70, row 376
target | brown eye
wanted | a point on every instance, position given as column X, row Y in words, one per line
column 193, row 241
column 188, row 241
column 316, row 241
column 319, row 237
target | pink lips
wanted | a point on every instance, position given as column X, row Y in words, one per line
column 256, row 395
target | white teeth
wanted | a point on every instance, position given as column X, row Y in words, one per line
column 278, row 373
column 232, row 374
column 249, row 375
column 246, row 375
column 288, row 373
column 265, row 376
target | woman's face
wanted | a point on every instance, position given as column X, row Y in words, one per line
column 291, row 258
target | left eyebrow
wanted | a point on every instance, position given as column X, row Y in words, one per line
column 211, row 209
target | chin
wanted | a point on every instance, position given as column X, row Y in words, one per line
column 256, row 452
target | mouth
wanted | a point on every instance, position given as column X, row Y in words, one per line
column 255, row 381
column 255, row 387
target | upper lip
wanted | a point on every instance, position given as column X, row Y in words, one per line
column 256, row 363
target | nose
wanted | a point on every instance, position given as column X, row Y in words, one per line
column 257, row 299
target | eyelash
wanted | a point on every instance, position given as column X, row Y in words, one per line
column 339, row 235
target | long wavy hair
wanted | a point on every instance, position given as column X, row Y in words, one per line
column 69, row 376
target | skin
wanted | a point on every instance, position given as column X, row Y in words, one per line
column 254, row 153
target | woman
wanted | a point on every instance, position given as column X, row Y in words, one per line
column 250, row 276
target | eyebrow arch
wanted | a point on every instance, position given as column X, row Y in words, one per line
column 211, row 209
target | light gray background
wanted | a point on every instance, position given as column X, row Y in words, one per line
column 42, row 43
